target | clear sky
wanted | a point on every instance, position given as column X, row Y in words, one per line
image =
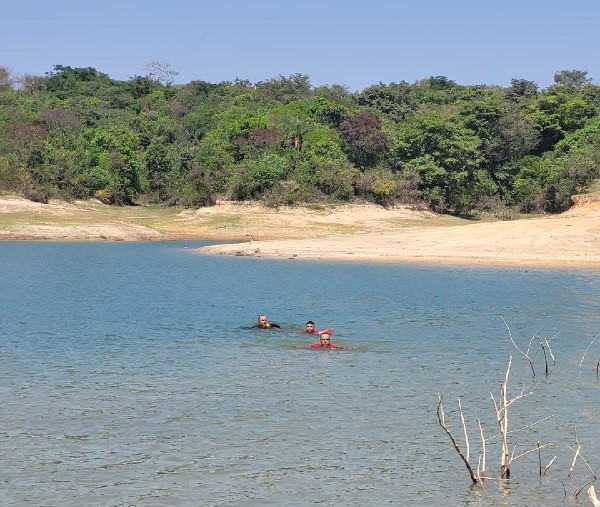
column 347, row 42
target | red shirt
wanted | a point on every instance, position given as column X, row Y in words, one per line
column 330, row 346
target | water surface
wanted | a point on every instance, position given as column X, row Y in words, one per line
column 129, row 375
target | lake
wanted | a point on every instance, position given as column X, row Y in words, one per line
column 130, row 376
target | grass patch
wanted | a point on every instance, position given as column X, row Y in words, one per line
column 223, row 222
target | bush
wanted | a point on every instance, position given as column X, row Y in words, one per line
column 36, row 194
column 287, row 193
column 104, row 195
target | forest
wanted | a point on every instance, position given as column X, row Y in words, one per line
column 76, row 133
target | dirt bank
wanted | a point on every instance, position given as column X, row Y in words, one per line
column 358, row 232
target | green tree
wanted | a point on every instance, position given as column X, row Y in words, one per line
column 395, row 100
column 285, row 89
column 522, row 88
column 115, row 151
column 446, row 155
column 571, row 78
column 327, row 112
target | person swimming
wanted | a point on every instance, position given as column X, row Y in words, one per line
column 324, row 342
column 311, row 329
column 263, row 323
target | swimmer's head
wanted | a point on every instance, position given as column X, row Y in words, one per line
column 325, row 340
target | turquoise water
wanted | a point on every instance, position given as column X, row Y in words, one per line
column 129, row 375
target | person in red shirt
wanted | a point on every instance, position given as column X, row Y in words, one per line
column 325, row 343
column 311, row 329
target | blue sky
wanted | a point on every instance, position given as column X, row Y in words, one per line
column 347, row 42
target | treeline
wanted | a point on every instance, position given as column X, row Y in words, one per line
column 75, row 133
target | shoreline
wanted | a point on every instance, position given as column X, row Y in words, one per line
column 428, row 250
column 348, row 233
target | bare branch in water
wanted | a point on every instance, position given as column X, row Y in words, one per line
column 592, row 494
column 524, row 354
column 588, row 348
column 549, row 465
column 442, row 422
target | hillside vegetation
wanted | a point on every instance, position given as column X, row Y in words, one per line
column 75, row 133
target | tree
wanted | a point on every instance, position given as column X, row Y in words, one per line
column 115, row 151
column 65, row 81
column 514, row 136
column 158, row 164
column 161, row 72
column 436, row 90
column 444, row 152
column 5, row 79
column 60, row 119
column 571, row 78
column 292, row 120
column 285, row 89
column 394, row 100
column 521, row 88
column 366, row 141
column 327, row 112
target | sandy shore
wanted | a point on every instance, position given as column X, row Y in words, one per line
column 345, row 233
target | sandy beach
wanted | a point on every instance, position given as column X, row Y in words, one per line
column 358, row 232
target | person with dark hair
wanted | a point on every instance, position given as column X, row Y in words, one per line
column 311, row 329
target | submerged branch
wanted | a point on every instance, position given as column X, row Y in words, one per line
column 588, row 348
column 442, row 422
column 524, row 354
column 592, row 494
column 549, row 464
column 533, row 424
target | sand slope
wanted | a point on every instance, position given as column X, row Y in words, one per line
column 571, row 239
column 359, row 232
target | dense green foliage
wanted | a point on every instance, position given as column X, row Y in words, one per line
column 77, row 133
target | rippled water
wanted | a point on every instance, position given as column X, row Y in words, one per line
column 129, row 376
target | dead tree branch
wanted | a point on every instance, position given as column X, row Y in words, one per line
column 442, row 421
column 574, row 459
column 502, row 419
column 524, row 354
column 588, row 348
column 532, row 424
column 578, row 454
column 592, row 494
column 549, row 465
column 501, row 408
column 481, row 461
column 514, row 458
column 464, row 425
column 545, row 344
